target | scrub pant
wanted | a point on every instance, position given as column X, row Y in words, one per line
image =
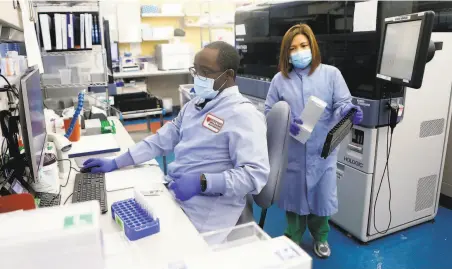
column 296, row 226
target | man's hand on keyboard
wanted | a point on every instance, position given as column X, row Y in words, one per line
column 99, row 165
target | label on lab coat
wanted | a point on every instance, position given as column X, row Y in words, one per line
column 213, row 123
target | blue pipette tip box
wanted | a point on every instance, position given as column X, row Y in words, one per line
column 136, row 221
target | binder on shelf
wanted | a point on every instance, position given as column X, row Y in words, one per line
column 70, row 30
column 96, row 28
column 338, row 133
column 58, row 31
column 44, row 22
column 88, row 31
column 93, row 30
column 64, row 26
column 82, row 31
column 77, row 29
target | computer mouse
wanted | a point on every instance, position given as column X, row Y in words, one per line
column 87, row 169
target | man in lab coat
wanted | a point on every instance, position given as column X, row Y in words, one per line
column 219, row 141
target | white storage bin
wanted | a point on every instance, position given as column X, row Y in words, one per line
column 235, row 236
column 51, row 79
column 246, row 246
column 65, row 75
column 97, row 77
column 184, row 94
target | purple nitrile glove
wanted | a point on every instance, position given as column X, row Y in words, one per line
column 186, row 186
column 359, row 115
column 294, row 126
column 100, row 165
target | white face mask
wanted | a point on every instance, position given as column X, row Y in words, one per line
column 204, row 86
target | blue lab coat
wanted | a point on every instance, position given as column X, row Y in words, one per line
column 233, row 156
column 310, row 181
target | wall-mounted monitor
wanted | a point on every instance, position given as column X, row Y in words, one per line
column 404, row 49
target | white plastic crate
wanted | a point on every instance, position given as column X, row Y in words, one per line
column 246, row 246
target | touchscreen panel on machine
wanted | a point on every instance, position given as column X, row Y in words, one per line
column 399, row 50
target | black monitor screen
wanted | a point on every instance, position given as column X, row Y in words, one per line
column 32, row 118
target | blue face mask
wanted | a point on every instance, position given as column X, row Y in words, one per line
column 203, row 87
column 301, row 59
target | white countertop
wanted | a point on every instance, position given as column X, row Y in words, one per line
column 177, row 238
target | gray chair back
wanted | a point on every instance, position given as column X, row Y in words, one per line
column 278, row 122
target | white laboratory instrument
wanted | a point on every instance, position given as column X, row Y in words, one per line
column 62, row 146
column 310, row 116
column 414, row 155
column 246, row 246
column 66, row 237
column 128, row 63
column 173, row 56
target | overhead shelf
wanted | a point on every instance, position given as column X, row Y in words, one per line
column 161, row 15
column 156, row 39
column 75, row 85
column 71, row 52
column 213, row 25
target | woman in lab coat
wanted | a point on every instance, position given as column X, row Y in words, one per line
column 309, row 191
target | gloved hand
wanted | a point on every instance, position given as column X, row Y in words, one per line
column 359, row 115
column 294, row 128
column 100, row 165
column 186, row 186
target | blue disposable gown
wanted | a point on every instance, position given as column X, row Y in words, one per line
column 310, row 181
column 234, row 159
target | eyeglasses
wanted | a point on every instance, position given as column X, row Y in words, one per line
column 201, row 74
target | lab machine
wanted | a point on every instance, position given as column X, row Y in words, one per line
column 173, row 56
column 24, row 170
column 67, row 237
column 349, row 35
column 128, row 63
column 389, row 169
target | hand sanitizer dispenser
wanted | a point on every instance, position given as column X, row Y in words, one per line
column 310, row 116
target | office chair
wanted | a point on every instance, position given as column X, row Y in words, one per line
column 278, row 121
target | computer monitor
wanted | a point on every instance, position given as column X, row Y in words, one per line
column 32, row 120
column 404, row 49
column 114, row 52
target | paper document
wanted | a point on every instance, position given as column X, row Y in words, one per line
column 140, row 177
column 365, row 17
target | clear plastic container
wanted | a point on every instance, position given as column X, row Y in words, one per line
column 246, row 246
column 235, row 236
column 49, row 79
column 65, row 75
column 184, row 94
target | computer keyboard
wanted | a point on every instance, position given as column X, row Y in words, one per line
column 90, row 187
column 48, row 199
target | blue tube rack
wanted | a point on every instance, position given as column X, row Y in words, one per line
column 134, row 219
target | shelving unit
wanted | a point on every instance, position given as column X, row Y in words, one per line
column 73, row 6
column 202, row 16
column 210, row 25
